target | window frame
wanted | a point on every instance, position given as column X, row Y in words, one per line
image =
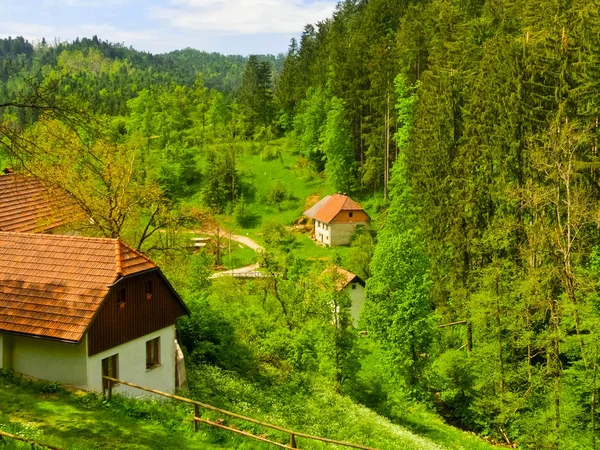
column 153, row 353
column 149, row 289
column 121, row 297
column 110, row 368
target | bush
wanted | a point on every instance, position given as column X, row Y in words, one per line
column 209, row 337
column 270, row 153
column 276, row 235
column 277, row 194
column 242, row 216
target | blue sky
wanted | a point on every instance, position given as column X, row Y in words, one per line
column 225, row 26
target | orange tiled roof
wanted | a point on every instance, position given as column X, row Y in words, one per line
column 345, row 277
column 26, row 205
column 51, row 286
column 333, row 206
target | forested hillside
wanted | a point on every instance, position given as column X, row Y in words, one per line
column 493, row 224
column 468, row 130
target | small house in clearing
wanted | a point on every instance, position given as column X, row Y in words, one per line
column 335, row 219
column 29, row 206
column 74, row 309
column 353, row 286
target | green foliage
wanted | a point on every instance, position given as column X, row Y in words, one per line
column 277, row 194
column 221, row 185
column 256, row 95
column 242, row 215
column 276, row 235
column 178, row 172
column 399, row 311
column 361, row 252
column 270, row 153
column 308, row 127
column 199, row 272
column 337, row 148
column 207, row 336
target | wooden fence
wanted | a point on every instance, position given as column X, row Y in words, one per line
column 293, row 435
column 33, row 443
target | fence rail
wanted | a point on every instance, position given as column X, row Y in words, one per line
column 29, row 441
column 198, row 419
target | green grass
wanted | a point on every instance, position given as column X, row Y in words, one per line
column 48, row 414
column 240, row 256
column 83, row 421
column 257, row 177
column 305, row 248
column 311, row 406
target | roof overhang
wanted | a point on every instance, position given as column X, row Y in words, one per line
column 45, row 338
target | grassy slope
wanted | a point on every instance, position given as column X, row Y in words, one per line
column 258, row 175
column 72, row 421
column 41, row 412
column 240, row 256
column 313, row 408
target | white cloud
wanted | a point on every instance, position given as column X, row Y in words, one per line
column 243, row 16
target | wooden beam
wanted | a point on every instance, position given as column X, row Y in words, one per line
column 460, row 322
column 30, row 441
column 238, row 416
column 243, row 433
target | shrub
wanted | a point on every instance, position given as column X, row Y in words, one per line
column 276, row 235
column 277, row 194
column 242, row 216
column 270, row 153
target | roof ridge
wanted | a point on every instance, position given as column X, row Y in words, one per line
column 118, row 259
column 137, row 252
column 58, row 236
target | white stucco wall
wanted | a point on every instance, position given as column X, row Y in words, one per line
column 132, row 365
column 341, row 233
column 357, row 296
column 322, row 233
column 46, row 359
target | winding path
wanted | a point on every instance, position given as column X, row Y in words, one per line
column 247, row 271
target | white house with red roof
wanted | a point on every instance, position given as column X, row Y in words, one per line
column 353, row 286
column 74, row 309
column 335, row 219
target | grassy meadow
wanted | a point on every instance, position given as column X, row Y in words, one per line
column 49, row 414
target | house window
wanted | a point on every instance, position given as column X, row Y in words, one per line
column 350, row 214
column 110, row 368
column 148, row 289
column 121, row 297
column 153, row 353
column 353, row 285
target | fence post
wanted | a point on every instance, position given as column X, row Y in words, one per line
column 110, row 385
column 293, row 440
column 196, row 414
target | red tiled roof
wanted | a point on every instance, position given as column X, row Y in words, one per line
column 316, row 207
column 51, row 286
column 26, row 205
column 345, row 277
column 333, row 206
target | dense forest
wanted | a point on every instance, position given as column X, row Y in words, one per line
column 470, row 127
